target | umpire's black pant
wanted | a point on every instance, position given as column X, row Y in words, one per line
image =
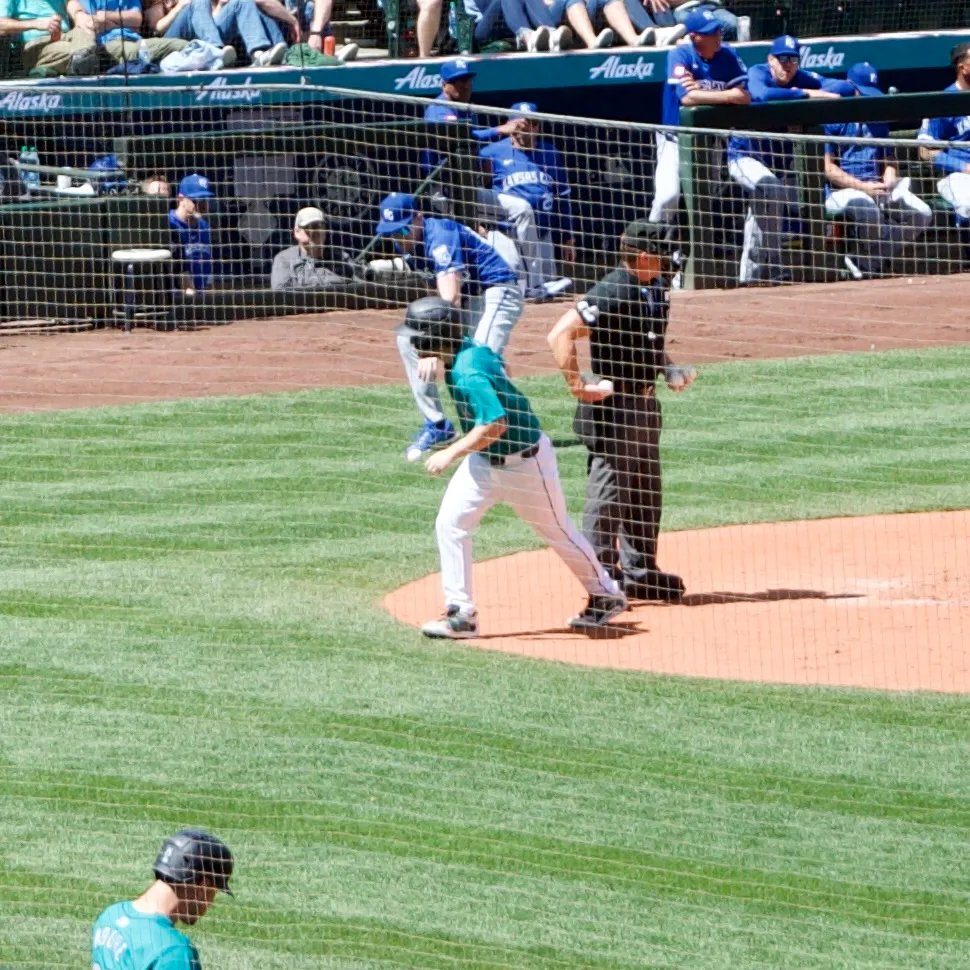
column 623, row 490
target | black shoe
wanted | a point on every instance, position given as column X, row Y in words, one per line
column 599, row 611
column 657, row 587
column 84, row 63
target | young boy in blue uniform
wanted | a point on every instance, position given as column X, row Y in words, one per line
column 460, row 259
column 140, row 935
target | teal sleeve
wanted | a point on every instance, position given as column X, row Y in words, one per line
column 482, row 400
column 178, row 958
column 6, row 9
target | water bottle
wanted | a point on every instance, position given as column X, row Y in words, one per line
column 144, row 54
column 452, row 21
column 29, row 156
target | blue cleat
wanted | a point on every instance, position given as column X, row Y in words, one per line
column 433, row 435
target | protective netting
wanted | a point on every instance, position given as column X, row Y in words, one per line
column 200, row 600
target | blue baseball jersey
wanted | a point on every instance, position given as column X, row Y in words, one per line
column 713, row 75
column 115, row 33
column 192, row 249
column 861, row 160
column 453, row 248
column 536, row 175
column 125, row 939
column 443, row 111
column 956, row 129
column 774, row 153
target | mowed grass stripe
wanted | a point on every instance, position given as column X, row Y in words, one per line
column 188, row 607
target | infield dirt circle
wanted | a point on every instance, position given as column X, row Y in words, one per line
column 880, row 602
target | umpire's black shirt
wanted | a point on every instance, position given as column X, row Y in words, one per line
column 627, row 337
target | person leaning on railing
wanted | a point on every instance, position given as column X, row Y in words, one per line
column 765, row 166
column 954, row 187
column 52, row 33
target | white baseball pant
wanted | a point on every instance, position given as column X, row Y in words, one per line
column 531, row 486
column 771, row 197
column 955, row 189
column 666, row 180
column 900, row 217
column 496, row 312
column 535, row 244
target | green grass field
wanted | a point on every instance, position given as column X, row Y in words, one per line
column 190, row 634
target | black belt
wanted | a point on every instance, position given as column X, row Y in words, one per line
column 633, row 388
column 500, row 460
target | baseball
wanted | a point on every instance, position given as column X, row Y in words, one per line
column 605, row 385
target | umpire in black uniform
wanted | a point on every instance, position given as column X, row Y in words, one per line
column 625, row 317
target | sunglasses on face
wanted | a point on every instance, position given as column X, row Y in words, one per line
column 788, row 59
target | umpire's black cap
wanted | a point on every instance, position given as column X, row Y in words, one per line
column 193, row 856
column 647, row 237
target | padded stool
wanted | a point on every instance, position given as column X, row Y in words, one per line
column 147, row 274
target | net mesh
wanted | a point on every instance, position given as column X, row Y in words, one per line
column 202, row 594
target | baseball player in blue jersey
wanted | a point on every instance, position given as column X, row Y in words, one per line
column 765, row 166
column 703, row 70
column 529, row 175
column 460, row 259
column 954, row 186
column 863, row 187
column 502, row 456
column 140, row 935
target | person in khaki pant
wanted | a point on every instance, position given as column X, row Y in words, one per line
column 63, row 38
column 48, row 31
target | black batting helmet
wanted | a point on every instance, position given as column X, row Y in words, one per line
column 432, row 323
column 193, row 856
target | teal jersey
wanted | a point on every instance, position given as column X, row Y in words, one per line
column 483, row 393
column 124, row 939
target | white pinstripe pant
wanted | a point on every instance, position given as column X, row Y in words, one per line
column 532, row 488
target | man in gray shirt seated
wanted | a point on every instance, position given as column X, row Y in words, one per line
column 303, row 266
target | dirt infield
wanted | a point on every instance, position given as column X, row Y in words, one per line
column 109, row 367
column 801, row 602
column 793, row 603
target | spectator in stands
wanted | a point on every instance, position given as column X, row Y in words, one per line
column 540, row 26
column 53, row 34
column 954, row 187
column 116, row 25
column 765, row 167
column 191, row 237
column 224, row 23
column 862, row 186
column 669, row 14
column 529, row 175
column 305, row 266
column 702, row 71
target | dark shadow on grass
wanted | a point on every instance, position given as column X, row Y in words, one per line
column 768, row 596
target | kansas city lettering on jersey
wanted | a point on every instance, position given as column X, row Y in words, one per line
column 831, row 59
column 529, row 177
column 110, row 939
column 613, row 68
column 417, row 79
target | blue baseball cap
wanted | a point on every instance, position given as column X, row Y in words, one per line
column 865, row 79
column 456, row 69
column 786, row 46
column 524, row 109
column 397, row 211
column 702, row 22
column 195, row 187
